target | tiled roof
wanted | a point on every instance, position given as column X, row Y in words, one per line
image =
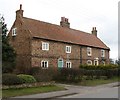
column 46, row 30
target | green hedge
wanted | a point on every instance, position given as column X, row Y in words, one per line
column 107, row 71
column 27, row 78
column 68, row 75
column 10, row 79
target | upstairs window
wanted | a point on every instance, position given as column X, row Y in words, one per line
column 68, row 49
column 14, row 31
column 68, row 64
column 44, row 64
column 45, row 46
column 102, row 53
column 89, row 51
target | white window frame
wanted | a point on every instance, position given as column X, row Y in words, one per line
column 68, row 49
column 68, row 64
column 60, row 60
column 102, row 53
column 44, row 61
column 89, row 51
column 45, row 46
column 14, row 31
column 97, row 62
column 89, row 61
column 103, row 63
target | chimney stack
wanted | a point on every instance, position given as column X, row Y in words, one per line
column 64, row 22
column 94, row 31
column 19, row 13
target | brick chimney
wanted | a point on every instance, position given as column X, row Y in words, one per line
column 19, row 13
column 64, row 22
column 94, row 31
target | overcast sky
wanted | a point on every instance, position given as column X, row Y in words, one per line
column 82, row 15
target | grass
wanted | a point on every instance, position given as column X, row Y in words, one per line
column 27, row 91
column 98, row 81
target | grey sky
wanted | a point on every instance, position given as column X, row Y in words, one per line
column 82, row 15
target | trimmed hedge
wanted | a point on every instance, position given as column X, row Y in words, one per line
column 100, row 71
column 42, row 75
column 27, row 78
column 68, row 75
column 10, row 79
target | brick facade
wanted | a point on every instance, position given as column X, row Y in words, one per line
column 29, row 48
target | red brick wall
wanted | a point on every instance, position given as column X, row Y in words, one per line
column 57, row 50
column 21, row 44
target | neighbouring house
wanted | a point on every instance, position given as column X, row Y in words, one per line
column 42, row 44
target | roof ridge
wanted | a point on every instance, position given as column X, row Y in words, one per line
column 53, row 31
column 57, row 25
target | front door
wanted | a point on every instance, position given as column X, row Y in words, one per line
column 60, row 63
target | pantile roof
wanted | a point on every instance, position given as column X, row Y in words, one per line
column 50, row 31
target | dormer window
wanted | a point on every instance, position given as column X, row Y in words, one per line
column 14, row 31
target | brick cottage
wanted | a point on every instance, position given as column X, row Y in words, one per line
column 42, row 44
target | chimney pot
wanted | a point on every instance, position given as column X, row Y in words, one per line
column 19, row 13
column 94, row 31
column 64, row 22
column 20, row 6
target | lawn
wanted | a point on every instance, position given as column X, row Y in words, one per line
column 98, row 81
column 26, row 91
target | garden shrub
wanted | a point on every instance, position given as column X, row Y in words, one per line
column 108, row 71
column 11, row 79
column 27, row 78
column 68, row 75
column 43, row 75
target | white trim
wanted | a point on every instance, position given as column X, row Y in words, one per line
column 69, row 64
column 89, row 61
column 14, row 32
column 96, row 63
column 45, row 46
column 44, row 61
column 102, row 53
column 89, row 51
column 68, row 49
column 103, row 63
column 61, row 61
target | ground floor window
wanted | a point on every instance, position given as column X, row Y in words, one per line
column 103, row 62
column 60, row 62
column 89, row 62
column 68, row 64
column 44, row 64
column 96, row 62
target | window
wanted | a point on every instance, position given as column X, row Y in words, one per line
column 68, row 49
column 89, row 62
column 103, row 62
column 68, row 64
column 60, row 62
column 102, row 53
column 14, row 32
column 44, row 64
column 45, row 46
column 96, row 62
column 89, row 51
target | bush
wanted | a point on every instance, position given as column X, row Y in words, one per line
column 45, row 75
column 97, row 72
column 10, row 79
column 68, row 75
column 27, row 78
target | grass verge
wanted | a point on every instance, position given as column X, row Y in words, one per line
column 27, row 91
column 95, row 82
